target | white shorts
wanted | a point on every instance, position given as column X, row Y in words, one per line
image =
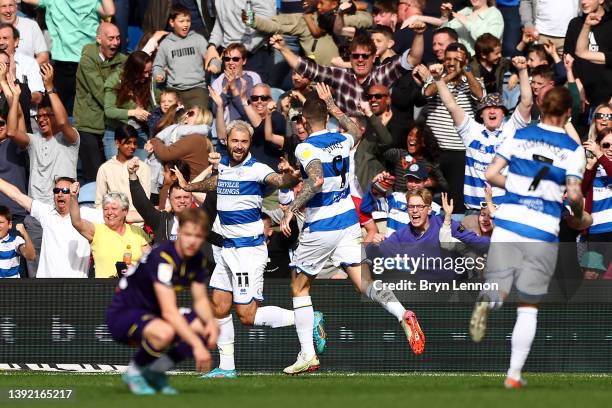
column 528, row 265
column 343, row 248
column 240, row 271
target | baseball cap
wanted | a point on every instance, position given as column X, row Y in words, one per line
column 417, row 170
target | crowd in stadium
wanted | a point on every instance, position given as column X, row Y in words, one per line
column 109, row 111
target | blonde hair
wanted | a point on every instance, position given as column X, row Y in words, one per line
column 592, row 128
column 203, row 116
column 423, row 193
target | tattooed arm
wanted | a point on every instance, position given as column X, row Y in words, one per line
column 312, row 185
column 210, row 184
column 285, row 180
column 346, row 122
column 574, row 196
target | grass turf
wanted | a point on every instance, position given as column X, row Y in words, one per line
column 323, row 390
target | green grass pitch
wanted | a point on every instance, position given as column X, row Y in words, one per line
column 323, row 390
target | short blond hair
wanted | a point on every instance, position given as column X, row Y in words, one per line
column 423, row 193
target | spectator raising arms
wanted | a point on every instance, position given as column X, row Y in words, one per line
column 72, row 24
column 349, row 84
column 111, row 240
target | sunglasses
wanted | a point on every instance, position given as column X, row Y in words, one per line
column 376, row 96
column 483, row 204
column 2, row 123
column 357, row 56
column 255, row 98
column 603, row 116
column 57, row 190
column 234, row 59
column 190, row 114
column 605, row 145
column 44, row 115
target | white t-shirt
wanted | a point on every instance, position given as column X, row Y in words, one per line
column 64, row 252
column 31, row 39
column 553, row 16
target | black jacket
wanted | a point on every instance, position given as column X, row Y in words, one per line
column 160, row 221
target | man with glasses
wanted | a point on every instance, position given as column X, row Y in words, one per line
column 65, row 253
column 421, row 238
column 53, row 150
column 229, row 84
column 349, row 84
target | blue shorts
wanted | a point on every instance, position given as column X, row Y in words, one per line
column 126, row 325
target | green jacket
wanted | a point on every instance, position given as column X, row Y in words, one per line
column 115, row 115
column 369, row 154
column 90, row 78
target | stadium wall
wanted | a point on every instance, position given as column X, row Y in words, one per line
column 62, row 322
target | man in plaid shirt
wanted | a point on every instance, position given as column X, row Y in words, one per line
column 349, row 84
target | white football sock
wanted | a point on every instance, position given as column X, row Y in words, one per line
column 522, row 337
column 225, row 343
column 304, row 321
column 274, row 316
column 387, row 300
column 162, row 364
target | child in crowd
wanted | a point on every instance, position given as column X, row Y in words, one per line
column 180, row 60
column 383, row 39
column 167, row 98
column 13, row 246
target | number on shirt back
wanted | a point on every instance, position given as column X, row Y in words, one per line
column 340, row 169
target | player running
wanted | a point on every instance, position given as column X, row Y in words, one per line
column 144, row 312
column 331, row 227
column 543, row 162
column 240, row 181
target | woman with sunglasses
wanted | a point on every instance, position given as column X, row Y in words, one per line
column 597, row 187
column 128, row 98
column 181, row 135
column 602, row 118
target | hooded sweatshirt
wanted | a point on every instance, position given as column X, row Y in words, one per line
column 181, row 61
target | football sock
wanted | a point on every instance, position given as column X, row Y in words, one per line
column 133, row 368
column 522, row 337
column 225, row 343
column 274, row 316
column 146, row 354
column 304, row 321
column 162, row 364
column 387, row 300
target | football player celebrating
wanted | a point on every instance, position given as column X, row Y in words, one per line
column 144, row 311
column 331, row 229
column 543, row 162
column 240, row 181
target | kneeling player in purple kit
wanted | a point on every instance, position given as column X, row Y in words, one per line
column 144, row 311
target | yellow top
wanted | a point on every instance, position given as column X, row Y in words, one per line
column 108, row 248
